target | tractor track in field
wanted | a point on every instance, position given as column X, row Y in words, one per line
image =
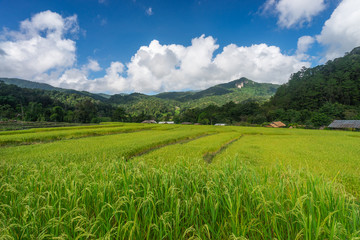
column 161, row 145
column 209, row 156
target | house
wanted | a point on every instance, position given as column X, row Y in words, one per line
column 167, row 122
column 149, row 121
column 220, row 124
column 343, row 124
column 276, row 124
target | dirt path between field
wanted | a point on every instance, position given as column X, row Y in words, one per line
column 161, row 145
column 209, row 156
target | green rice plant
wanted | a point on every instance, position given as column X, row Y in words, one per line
column 101, row 147
column 70, row 133
column 332, row 153
column 51, row 129
column 197, row 150
column 132, row 200
column 92, row 188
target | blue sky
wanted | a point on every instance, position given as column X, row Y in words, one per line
column 152, row 46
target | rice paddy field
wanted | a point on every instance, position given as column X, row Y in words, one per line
column 143, row 181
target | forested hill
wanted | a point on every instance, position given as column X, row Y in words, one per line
column 45, row 105
column 43, row 86
column 28, row 84
column 336, row 82
column 236, row 91
column 241, row 86
column 26, row 100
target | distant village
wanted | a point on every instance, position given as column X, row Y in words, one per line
column 336, row 124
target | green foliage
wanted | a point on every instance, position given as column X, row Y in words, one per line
column 27, row 84
column 85, row 111
column 334, row 111
column 162, row 105
column 320, row 119
column 337, row 81
column 326, row 92
column 119, row 115
column 57, row 114
column 43, row 86
column 40, row 105
column 228, row 113
column 69, row 117
column 33, row 112
column 237, row 90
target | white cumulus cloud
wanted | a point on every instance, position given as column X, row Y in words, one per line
column 39, row 46
column 93, row 65
column 76, row 78
column 41, row 51
column 304, row 43
column 341, row 33
column 157, row 67
column 259, row 62
column 293, row 13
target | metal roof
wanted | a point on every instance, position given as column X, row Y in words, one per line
column 345, row 124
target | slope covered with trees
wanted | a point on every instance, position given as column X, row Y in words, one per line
column 43, row 86
column 337, row 81
column 42, row 102
column 42, row 105
column 171, row 103
column 321, row 94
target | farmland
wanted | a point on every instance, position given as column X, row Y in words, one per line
column 138, row 181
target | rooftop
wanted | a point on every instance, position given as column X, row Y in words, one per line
column 345, row 124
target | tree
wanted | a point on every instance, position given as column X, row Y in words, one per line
column 6, row 111
column 85, row 111
column 34, row 111
column 57, row 114
column 203, row 118
column 333, row 110
column 119, row 115
column 320, row 119
column 69, row 117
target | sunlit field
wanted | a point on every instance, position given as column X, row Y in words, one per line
column 145, row 181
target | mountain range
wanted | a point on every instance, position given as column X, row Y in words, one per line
column 237, row 91
column 47, row 87
column 313, row 96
